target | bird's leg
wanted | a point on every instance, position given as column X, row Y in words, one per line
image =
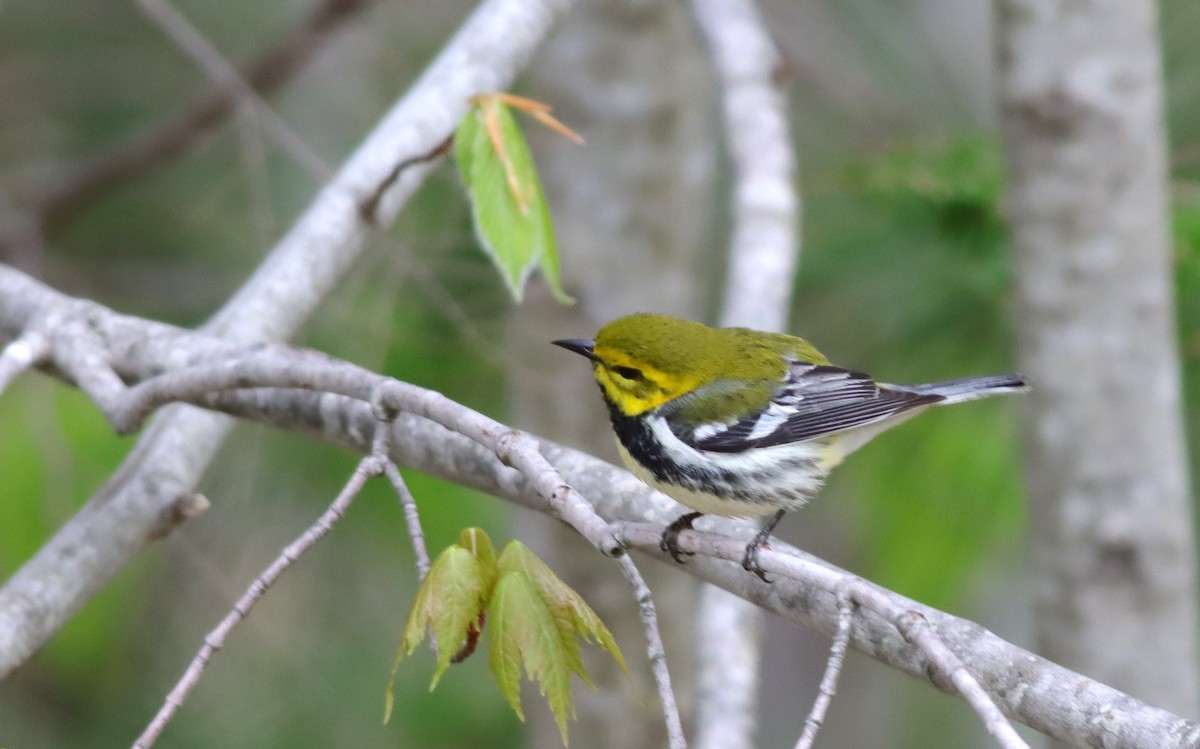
column 670, row 537
column 750, row 560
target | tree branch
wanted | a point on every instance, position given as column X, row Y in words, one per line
column 376, row 463
column 829, row 680
column 83, row 183
column 1031, row 689
column 136, row 505
column 189, row 39
column 368, row 467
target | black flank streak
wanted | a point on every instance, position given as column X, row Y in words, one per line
column 636, row 437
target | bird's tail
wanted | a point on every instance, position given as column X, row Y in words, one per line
column 970, row 388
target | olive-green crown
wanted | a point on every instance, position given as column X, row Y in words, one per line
column 684, row 348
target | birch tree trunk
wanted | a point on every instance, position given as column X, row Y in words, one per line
column 1111, row 543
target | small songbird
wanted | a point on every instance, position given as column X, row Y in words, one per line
column 739, row 422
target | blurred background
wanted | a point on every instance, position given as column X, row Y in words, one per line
column 904, row 273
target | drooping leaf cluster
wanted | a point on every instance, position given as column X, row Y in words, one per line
column 534, row 621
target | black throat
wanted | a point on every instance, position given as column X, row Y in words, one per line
column 634, row 434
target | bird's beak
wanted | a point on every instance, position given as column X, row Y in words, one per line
column 581, row 346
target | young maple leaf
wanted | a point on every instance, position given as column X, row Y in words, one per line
column 536, row 621
column 451, row 603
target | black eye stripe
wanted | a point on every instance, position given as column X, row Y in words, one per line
column 629, row 373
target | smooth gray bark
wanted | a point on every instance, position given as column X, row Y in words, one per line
column 1111, row 543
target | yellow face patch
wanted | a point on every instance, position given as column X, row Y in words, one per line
column 633, row 387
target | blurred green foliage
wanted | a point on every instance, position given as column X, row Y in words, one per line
column 1186, row 227
column 906, row 276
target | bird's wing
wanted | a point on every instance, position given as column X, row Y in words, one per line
column 812, row 401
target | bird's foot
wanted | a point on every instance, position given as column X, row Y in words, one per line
column 670, row 537
column 750, row 559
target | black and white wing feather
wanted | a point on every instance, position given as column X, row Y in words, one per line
column 813, row 401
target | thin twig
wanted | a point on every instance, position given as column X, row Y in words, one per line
column 917, row 630
column 514, row 448
column 655, row 651
column 381, row 447
column 374, row 464
column 369, row 208
column 225, row 74
column 22, row 353
column 176, row 135
column 367, row 467
column 411, row 518
column 287, row 367
column 908, row 621
column 833, row 670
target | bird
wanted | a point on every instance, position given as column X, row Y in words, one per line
column 740, row 422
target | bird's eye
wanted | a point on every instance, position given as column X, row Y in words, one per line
column 628, row 373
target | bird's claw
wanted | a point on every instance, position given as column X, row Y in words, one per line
column 670, row 537
column 750, row 559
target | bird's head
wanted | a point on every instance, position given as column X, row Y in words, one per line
column 645, row 360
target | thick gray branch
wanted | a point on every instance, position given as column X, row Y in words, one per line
column 1027, row 687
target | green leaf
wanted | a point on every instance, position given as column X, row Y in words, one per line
column 451, row 602
column 562, row 599
column 524, row 633
column 511, row 217
column 476, row 541
column 535, row 622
